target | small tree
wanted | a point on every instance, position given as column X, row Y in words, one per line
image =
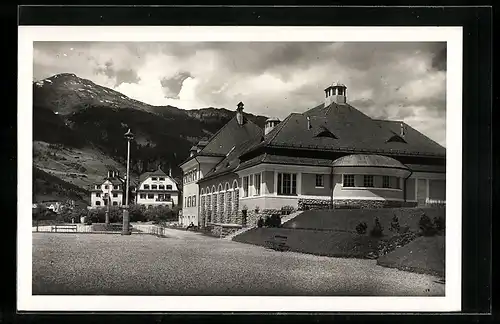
column 395, row 224
column 439, row 223
column 361, row 228
column 377, row 230
column 426, row 226
column 267, row 221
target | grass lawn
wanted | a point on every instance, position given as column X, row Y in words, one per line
column 347, row 219
column 423, row 255
column 325, row 243
column 333, row 234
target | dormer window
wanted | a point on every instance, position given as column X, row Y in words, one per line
column 162, row 179
column 324, row 132
column 154, row 178
column 396, row 139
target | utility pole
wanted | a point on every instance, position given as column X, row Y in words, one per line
column 126, row 221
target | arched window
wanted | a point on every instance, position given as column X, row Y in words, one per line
column 221, row 203
column 214, row 204
column 202, row 191
column 236, row 198
column 228, row 203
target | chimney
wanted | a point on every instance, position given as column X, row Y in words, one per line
column 335, row 93
column 109, row 173
column 308, row 122
column 170, row 172
column 403, row 130
column 193, row 150
column 270, row 124
column 239, row 113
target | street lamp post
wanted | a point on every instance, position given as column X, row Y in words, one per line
column 126, row 222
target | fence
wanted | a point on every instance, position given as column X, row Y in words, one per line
column 82, row 228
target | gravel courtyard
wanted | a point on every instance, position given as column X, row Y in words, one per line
column 187, row 263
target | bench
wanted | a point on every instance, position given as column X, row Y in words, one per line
column 54, row 228
column 278, row 243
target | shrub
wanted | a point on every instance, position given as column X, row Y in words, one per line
column 275, row 220
column 158, row 214
column 361, row 228
column 439, row 223
column 267, row 221
column 377, row 230
column 395, row 224
column 137, row 213
column 426, row 226
column 287, row 210
column 260, row 222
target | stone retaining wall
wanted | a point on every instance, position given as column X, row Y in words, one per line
column 220, row 230
column 308, row 204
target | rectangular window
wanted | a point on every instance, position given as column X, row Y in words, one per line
column 154, row 187
column 117, row 187
column 161, row 187
column 151, row 196
column 142, row 196
column 154, row 178
column 348, row 180
column 257, row 184
column 368, row 181
column 397, row 184
column 105, row 202
column 98, row 194
column 115, row 195
column 98, row 203
column 386, row 182
column 146, row 186
column 169, row 187
column 161, row 197
column 162, row 179
column 115, row 203
column 106, row 187
column 194, row 201
column 167, row 196
column 287, row 184
column 245, row 186
column 319, row 181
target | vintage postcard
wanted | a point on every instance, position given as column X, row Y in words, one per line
column 274, row 169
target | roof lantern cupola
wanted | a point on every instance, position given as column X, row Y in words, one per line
column 335, row 93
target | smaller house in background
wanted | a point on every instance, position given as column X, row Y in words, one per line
column 157, row 188
column 108, row 191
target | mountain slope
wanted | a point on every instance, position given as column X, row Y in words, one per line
column 79, row 115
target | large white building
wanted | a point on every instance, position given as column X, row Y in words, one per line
column 206, row 155
column 108, row 191
column 329, row 156
column 157, row 188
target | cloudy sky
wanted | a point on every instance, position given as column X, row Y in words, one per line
column 402, row 81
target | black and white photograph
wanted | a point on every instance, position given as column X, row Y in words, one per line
column 272, row 168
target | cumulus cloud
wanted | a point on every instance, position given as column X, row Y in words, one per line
column 403, row 81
